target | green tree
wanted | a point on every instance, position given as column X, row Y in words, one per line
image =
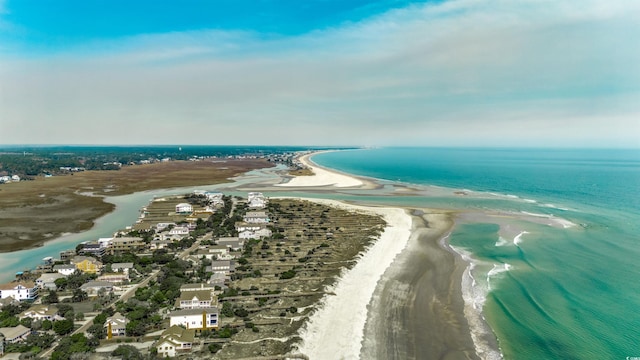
column 63, row 327
column 127, row 352
column 135, row 328
column 51, row 297
column 79, row 295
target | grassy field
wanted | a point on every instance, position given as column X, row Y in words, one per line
column 32, row 212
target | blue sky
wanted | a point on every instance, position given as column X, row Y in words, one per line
column 321, row 72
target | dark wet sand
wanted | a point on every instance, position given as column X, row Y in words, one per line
column 417, row 311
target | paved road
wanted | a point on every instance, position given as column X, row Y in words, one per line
column 124, row 297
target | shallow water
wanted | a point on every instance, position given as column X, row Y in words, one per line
column 551, row 291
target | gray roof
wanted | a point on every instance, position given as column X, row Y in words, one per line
column 122, row 265
column 11, row 333
column 96, row 284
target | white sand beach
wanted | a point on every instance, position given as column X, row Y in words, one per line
column 336, row 329
column 322, row 177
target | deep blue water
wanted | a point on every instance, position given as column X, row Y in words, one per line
column 569, row 293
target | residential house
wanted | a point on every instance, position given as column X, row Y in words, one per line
column 122, row 267
column 215, row 252
column 67, row 255
column 198, row 299
column 214, row 198
column 121, row 244
column 8, row 301
column 256, row 217
column 252, row 230
column 92, row 248
column 19, row 290
column 175, row 340
column 195, row 287
column 87, row 264
column 177, row 232
column 197, row 319
column 48, row 280
column 116, row 325
column 221, row 266
column 16, row 334
column 157, row 244
column 114, row 278
column 256, row 200
column 234, row 243
column 41, row 312
column 162, row 226
column 105, row 242
column 15, row 178
column 66, row 269
column 184, row 208
column 93, row 287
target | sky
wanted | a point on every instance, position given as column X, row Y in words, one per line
column 499, row 73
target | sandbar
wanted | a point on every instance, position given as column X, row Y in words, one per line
column 323, row 177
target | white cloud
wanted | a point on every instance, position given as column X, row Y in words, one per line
column 538, row 71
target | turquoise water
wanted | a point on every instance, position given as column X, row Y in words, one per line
column 567, row 293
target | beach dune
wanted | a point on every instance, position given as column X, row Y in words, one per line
column 336, row 329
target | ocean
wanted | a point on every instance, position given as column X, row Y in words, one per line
column 547, row 292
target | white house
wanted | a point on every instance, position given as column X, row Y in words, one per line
column 180, row 231
column 252, row 230
column 196, row 287
column 197, row 319
column 163, row 225
column 122, row 267
column 215, row 251
column 199, row 299
column 15, row 178
column 184, row 208
column 175, row 340
column 19, row 291
column 259, row 217
column 214, row 198
column 256, row 200
column 114, row 278
column 48, row 281
column 116, row 325
column 65, row 270
column 41, row 312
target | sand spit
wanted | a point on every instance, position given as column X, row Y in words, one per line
column 323, row 177
column 335, row 330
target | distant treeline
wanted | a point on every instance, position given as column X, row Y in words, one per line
column 30, row 161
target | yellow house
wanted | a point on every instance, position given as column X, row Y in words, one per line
column 87, row 264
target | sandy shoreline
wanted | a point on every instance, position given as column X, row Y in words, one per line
column 404, row 298
column 337, row 326
column 323, row 177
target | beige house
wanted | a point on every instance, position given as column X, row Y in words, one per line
column 16, row 334
column 175, row 340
